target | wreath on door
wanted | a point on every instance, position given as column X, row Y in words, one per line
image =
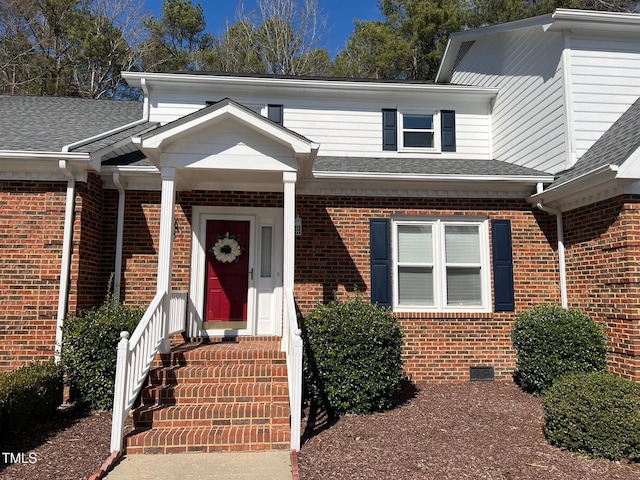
column 226, row 249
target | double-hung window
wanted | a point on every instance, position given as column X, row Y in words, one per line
column 418, row 131
column 441, row 264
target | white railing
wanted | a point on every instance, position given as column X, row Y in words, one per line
column 292, row 344
column 177, row 309
column 136, row 354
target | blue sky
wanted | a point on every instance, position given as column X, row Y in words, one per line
column 340, row 15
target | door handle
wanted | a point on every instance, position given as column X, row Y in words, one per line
column 251, row 274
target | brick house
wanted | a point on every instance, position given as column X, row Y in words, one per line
column 510, row 181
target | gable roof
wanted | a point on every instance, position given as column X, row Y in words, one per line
column 30, row 123
column 562, row 19
column 614, row 148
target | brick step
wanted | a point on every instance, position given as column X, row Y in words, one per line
column 219, row 373
column 195, row 393
column 231, row 438
column 265, row 413
column 215, row 396
column 195, row 353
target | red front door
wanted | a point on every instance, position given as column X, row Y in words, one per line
column 227, row 280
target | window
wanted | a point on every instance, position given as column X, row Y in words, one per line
column 419, row 131
column 441, row 264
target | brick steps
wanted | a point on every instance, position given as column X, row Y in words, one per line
column 219, row 396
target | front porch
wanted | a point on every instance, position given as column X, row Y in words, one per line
column 244, row 293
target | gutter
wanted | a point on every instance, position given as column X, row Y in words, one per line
column 65, row 267
column 562, row 267
column 119, row 237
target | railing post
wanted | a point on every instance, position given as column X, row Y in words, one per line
column 296, row 394
column 119, row 393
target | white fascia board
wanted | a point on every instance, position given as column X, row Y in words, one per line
column 530, row 180
column 102, row 135
column 318, row 86
column 583, row 183
column 567, row 19
column 630, row 169
column 44, row 162
column 37, row 155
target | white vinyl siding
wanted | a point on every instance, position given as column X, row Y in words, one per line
column 441, row 265
column 605, row 78
column 528, row 115
column 350, row 128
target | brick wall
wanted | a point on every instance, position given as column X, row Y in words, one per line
column 31, row 233
column 603, row 274
column 333, row 256
column 142, row 230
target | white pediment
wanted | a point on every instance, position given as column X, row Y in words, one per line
column 226, row 136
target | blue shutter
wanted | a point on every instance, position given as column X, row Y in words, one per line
column 389, row 129
column 448, row 130
column 380, row 258
column 274, row 113
column 502, row 266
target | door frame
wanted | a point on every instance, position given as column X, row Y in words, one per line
column 257, row 217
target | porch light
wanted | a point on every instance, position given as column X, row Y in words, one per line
column 298, row 226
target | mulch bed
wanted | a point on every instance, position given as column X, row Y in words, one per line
column 467, row 431
column 71, row 445
column 479, row 430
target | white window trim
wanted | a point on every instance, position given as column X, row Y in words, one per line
column 436, row 131
column 439, row 264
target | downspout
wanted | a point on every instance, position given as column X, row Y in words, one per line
column 562, row 267
column 119, row 236
column 65, row 268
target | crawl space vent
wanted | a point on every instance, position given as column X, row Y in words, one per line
column 481, row 374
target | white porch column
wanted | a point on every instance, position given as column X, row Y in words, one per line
column 165, row 248
column 289, row 180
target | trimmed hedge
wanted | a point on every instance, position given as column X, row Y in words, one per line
column 31, row 392
column 596, row 413
column 551, row 342
column 353, row 358
column 89, row 351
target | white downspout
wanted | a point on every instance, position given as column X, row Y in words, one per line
column 562, row 267
column 117, row 281
column 65, row 268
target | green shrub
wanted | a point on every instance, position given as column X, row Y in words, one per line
column 597, row 414
column 89, row 351
column 551, row 341
column 31, row 392
column 352, row 357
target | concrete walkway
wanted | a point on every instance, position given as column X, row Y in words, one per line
column 272, row 465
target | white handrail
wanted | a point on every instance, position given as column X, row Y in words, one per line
column 136, row 354
column 292, row 344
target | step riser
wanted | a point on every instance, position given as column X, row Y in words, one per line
column 208, row 416
column 218, row 374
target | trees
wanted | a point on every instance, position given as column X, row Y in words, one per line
column 176, row 38
column 65, row 47
column 280, row 37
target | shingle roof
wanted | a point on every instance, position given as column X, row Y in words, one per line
column 421, row 166
column 613, row 148
column 116, row 137
column 49, row 123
